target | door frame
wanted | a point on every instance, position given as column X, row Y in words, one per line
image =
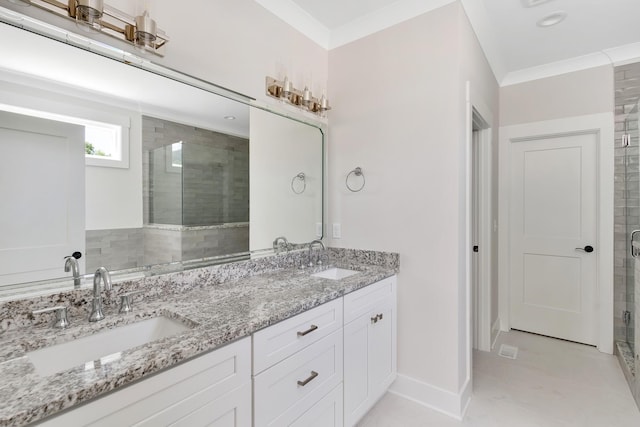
column 482, row 300
column 602, row 125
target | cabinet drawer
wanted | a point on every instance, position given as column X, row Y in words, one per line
column 364, row 300
column 171, row 395
column 277, row 342
column 326, row 413
column 285, row 391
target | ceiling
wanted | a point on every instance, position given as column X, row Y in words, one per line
column 595, row 32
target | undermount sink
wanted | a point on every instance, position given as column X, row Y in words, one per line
column 104, row 346
column 335, row 273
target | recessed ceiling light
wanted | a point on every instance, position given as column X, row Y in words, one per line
column 534, row 3
column 229, row 117
column 552, row 19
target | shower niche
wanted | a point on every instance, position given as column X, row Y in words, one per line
column 196, row 192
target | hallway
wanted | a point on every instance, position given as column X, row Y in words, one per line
column 552, row 383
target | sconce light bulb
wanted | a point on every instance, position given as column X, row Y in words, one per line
column 306, row 96
column 146, row 31
column 286, row 87
column 324, row 103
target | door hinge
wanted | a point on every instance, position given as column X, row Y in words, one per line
column 475, row 248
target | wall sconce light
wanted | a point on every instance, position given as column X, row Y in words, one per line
column 302, row 99
column 140, row 31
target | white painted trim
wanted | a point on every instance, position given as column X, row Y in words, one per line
column 474, row 101
column 380, row 19
column 495, row 332
column 620, row 55
column 436, row 398
column 298, row 18
column 603, row 124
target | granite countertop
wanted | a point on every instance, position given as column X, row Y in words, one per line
column 217, row 314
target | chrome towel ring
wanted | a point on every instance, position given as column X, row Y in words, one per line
column 356, row 172
column 301, row 177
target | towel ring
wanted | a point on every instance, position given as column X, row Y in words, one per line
column 356, row 172
column 302, row 177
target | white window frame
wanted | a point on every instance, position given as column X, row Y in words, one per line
column 50, row 105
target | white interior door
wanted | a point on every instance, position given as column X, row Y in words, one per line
column 553, row 217
column 42, row 217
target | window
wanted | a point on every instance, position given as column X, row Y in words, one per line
column 106, row 144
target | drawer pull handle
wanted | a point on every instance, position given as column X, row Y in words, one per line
column 308, row 380
column 308, row 331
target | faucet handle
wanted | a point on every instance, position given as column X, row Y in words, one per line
column 125, row 301
column 61, row 321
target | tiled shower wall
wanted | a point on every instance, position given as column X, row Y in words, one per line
column 214, row 176
column 627, row 192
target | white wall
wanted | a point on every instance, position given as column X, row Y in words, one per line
column 402, row 118
column 279, row 149
column 567, row 95
column 235, row 44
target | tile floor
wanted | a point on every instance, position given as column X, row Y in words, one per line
column 551, row 383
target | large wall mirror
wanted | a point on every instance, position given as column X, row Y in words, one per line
column 140, row 171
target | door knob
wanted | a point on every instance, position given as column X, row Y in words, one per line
column 588, row 249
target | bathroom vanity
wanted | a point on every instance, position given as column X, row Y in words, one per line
column 264, row 343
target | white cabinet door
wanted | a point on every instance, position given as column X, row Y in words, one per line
column 356, row 369
column 382, row 349
column 369, row 350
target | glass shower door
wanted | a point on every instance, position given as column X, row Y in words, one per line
column 632, row 213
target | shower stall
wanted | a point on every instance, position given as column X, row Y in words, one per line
column 630, row 201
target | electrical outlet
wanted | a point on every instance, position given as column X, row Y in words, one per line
column 337, row 231
column 318, row 229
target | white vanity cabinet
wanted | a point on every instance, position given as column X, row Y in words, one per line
column 298, row 368
column 211, row 390
column 369, row 347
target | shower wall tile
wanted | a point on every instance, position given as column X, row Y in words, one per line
column 117, row 249
column 212, row 187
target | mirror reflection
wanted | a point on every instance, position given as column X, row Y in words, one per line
column 131, row 169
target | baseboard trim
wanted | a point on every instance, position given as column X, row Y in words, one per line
column 436, row 398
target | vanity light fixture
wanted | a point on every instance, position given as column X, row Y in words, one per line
column 140, row 31
column 303, row 99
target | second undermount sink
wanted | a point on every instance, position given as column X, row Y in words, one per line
column 104, row 346
column 335, row 273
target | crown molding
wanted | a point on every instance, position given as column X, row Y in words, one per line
column 615, row 56
column 381, row 19
column 299, row 19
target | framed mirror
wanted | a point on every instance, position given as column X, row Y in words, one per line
column 139, row 168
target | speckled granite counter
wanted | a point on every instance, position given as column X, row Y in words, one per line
column 220, row 304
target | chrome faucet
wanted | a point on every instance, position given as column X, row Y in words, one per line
column 311, row 245
column 102, row 274
column 71, row 264
column 278, row 241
